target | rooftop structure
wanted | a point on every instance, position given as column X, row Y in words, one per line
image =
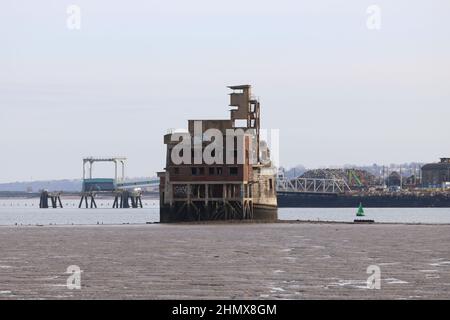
column 102, row 184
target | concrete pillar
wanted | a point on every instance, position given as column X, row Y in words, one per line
column 115, row 170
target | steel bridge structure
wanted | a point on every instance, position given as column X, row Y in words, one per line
column 312, row 185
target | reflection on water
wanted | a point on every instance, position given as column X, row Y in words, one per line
column 27, row 212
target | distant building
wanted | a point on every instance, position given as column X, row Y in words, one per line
column 225, row 189
column 394, row 179
column 436, row 175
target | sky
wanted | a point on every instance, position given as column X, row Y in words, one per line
column 338, row 91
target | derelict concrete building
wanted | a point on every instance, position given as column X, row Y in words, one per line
column 238, row 185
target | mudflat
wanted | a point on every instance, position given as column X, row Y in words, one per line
column 226, row 261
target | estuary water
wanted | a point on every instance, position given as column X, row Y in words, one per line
column 27, row 212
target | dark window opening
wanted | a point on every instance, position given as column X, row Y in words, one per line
column 211, row 171
column 219, row 171
column 233, row 171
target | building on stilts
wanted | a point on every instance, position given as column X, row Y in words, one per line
column 219, row 169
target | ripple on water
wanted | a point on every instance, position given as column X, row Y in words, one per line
column 440, row 264
column 279, row 271
column 395, row 281
column 276, row 289
column 359, row 284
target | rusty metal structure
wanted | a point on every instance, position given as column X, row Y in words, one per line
column 241, row 189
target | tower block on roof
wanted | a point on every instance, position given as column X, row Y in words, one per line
column 215, row 170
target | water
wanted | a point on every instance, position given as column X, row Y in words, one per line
column 27, row 212
column 396, row 215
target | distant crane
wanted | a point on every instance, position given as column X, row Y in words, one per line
column 353, row 176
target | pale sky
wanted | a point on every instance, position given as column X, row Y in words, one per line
column 339, row 92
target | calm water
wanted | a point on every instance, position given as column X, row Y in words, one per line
column 26, row 212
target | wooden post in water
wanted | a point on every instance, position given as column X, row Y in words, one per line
column 43, row 203
column 55, row 199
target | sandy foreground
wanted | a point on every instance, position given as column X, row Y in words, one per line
column 226, row 261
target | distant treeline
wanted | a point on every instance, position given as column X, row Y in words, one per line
column 50, row 185
column 36, row 186
column 377, row 170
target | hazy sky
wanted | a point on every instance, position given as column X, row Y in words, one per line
column 339, row 92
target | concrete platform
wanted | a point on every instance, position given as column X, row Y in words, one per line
column 230, row 261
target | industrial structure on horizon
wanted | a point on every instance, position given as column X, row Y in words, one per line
column 250, row 187
column 436, row 175
column 241, row 190
column 337, row 188
column 126, row 193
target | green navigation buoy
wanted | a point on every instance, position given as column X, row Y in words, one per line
column 360, row 212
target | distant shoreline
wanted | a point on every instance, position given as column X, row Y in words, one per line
column 225, row 223
column 66, row 195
